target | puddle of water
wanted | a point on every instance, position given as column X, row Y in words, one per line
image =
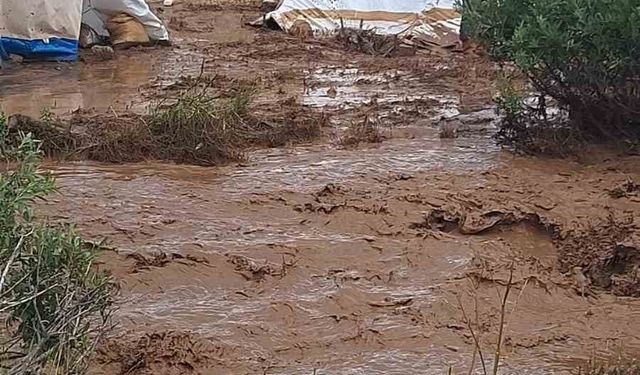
column 115, row 84
column 348, row 88
column 228, row 28
column 64, row 88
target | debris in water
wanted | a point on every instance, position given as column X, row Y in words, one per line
column 160, row 260
column 158, row 352
column 365, row 131
column 103, row 52
column 253, row 271
column 628, row 188
column 372, row 43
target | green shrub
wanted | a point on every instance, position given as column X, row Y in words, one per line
column 54, row 304
column 584, row 54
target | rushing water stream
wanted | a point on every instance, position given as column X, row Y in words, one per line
column 348, row 286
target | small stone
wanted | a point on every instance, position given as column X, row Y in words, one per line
column 103, row 52
column 16, row 58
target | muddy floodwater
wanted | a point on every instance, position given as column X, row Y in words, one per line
column 325, row 259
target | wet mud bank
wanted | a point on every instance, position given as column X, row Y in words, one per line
column 378, row 256
column 604, row 247
column 196, row 128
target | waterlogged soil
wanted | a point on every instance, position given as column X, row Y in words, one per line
column 389, row 258
column 299, row 262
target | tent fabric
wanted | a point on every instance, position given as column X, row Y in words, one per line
column 40, row 19
column 431, row 21
column 54, row 49
column 3, row 54
column 49, row 30
column 40, row 29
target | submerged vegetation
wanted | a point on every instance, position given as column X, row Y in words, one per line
column 615, row 369
column 200, row 126
column 366, row 130
column 370, row 42
column 55, row 304
column 581, row 58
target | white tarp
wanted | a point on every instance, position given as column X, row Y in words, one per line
column 96, row 13
column 50, row 29
column 427, row 21
column 40, row 19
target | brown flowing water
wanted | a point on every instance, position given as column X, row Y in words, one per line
column 319, row 259
column 312, row 262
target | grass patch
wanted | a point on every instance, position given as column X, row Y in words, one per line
column 201, row 126
column 611, row 369
column 365, row 131
column 58, row 135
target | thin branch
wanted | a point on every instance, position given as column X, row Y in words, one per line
column 524, row 286
column 496, row 363
column 475, row 349
column 473, row 334
column 28, row 299
column 15, row 253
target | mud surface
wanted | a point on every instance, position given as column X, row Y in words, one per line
column 342, row 273
column 332, row 260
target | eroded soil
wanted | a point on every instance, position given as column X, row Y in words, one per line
column 347, row 276
column 334, row 260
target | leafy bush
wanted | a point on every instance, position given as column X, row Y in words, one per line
column 584, row 54
column 54, row 304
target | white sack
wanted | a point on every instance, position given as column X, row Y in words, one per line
column 96, row 13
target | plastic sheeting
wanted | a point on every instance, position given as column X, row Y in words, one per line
column 50, row 29
column 424, row 22
column 40, row 29
column 53, row 49
column 96, row 13
column 3, row 54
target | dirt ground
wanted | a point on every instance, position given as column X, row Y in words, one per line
column 325, row 259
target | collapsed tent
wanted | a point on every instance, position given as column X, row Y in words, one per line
column 49, row 30
column 420, row 22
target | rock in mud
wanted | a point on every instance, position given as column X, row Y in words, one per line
column 482, row 121
column 16, row 59
column 627, row 189
column 609, row 253
column 473, row 221
column 103, row 53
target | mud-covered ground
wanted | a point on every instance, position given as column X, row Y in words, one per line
column 326, row 259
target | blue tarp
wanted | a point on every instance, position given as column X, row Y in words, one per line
column 3, row 54
column 57, row 49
